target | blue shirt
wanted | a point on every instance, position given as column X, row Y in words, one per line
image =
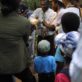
column 58, row 56
column 44, row 64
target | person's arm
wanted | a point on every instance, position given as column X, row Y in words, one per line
column 49, row 26
column 50, row 16
column 34, row 17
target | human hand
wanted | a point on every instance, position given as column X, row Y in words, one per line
column 34, row 21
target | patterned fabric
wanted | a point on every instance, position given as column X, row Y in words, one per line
column 69, row 43
column 59, row 38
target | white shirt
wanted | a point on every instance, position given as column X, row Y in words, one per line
column 49, row 15
column 73, row 10
column 62, row 12
column 58, row 18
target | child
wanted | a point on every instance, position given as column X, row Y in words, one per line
column 70, row 22
column 44, row 63
column 67, row 48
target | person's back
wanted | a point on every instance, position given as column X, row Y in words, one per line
column 12, row 30
column 45, row 64
column 68, row 46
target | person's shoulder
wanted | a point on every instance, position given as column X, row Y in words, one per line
column 71, row 9
column 50, row 9
column 52, row 12
column 37, row 57
column 62, row 10
column 23, row 19
column 38, row 9
column 51, row 57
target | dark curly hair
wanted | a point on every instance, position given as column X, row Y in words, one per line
column 70, row 22
column 9, row 6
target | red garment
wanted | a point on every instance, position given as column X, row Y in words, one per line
column 61, row 77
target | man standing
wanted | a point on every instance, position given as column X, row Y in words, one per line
column 44, row 16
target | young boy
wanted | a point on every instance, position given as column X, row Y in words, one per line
column 70, row 22
column 44, row 63
column 68, row 45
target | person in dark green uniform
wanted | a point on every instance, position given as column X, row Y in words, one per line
column 14, row 55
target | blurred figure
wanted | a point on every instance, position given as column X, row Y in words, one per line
column 68, row 46
column 71, row 7
column 59, row 58
column 70, row 22
column 76, row 65
column 14, row 54
column 42, row 19
column 60, row 11
column 44, row 64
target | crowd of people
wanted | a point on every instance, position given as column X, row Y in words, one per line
column 48, row 40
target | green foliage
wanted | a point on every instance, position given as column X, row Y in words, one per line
column 32, row 4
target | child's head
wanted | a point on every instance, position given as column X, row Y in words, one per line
column 69, row 44
column 70, row 22
column 44, row 46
